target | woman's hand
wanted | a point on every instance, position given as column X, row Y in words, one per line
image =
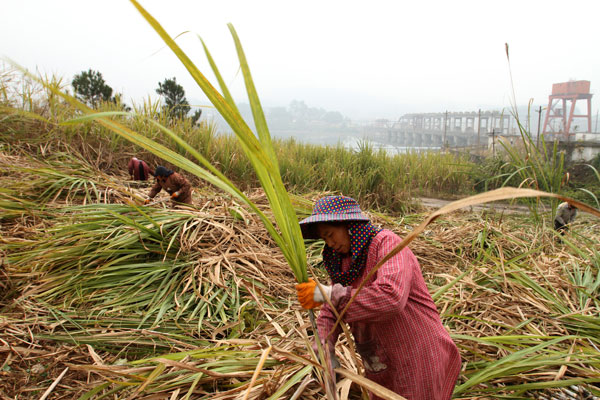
column 306, row 294
column 311, row 296
column 335, row 293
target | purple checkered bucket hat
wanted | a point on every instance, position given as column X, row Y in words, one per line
column 331, row 209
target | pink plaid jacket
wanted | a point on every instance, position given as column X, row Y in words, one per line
column 396, row 326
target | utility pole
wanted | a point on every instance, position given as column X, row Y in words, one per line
column 539, row 122
column 494, row 142
column 445, row 125
column 479, row 132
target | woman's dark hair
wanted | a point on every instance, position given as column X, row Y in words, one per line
column 335, row 223
column 311, row 229
column 162, row 171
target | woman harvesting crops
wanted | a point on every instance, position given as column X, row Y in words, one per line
column 173, row 183
column 138, row 169
column 395, row 323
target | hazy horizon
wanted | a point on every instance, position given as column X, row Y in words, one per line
column 367, row 61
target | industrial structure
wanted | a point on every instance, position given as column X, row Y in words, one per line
column 564, row 97
column 481, row 130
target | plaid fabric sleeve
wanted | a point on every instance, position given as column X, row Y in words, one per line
column 388, row 292
column 325, row 322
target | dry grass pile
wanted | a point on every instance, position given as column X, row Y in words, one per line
column 154, row 303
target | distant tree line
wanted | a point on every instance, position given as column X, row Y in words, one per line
column 90, row 88
column 300, row 116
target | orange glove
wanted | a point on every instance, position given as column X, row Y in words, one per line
column 175, row 195
column 306, row 293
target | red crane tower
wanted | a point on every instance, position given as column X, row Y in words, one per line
column 562, row 93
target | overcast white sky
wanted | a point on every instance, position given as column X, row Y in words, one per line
column 367, row 59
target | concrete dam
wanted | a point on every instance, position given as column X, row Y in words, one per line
column 448, row 129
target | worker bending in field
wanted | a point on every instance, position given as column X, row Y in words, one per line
column 173, row 183
column 138, row 169
column 565, row 214
column 395, row 323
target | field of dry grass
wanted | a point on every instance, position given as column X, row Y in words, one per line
column 108, row 299
column 102, row 297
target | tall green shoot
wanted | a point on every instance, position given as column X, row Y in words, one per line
column 537, row 166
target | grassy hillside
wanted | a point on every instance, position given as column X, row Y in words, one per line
column 36, row 117
column 144, row 302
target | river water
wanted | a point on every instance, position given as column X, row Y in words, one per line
column 356, row 143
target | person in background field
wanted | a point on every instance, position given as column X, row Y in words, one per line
column 565, row 214
column 173, row 183
column 394, row 321
column 138, row 169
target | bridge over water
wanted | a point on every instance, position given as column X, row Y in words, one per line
column 450, row 129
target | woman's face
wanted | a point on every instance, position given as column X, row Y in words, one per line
column 335, row 236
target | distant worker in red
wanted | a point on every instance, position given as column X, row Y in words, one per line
column 173, row 183
column 138, row 169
